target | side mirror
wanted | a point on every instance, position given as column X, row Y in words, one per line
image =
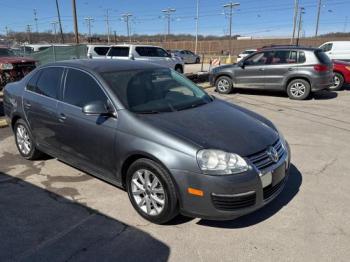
column 241, row 64
column 97, row 108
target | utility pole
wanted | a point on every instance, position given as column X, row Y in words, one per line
column 296, row 8
column 301, row 12
column 318, row 16
column 88, row 22
column 115, row 36
column 107, row 25
column 167, row 13
column 231, row 6
column 59, row 21
column 35, row 20
column 126, row 18
column 54, row 24
column 197, row 18
column 76, row 32
column 29, row 30
column 7, row 31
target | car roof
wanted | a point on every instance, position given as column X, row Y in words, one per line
column 104, row 65
column 289, row 47
column 129, row 45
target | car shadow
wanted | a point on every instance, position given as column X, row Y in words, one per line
column 323, row 95
column 289, row 192
column 38, row 225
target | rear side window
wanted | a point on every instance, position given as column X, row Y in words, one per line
column 322, row 57
column 302, row 57
column 49, row 82
column 151, row 51
column 327, row 47
column 82, row 89
column 31, row 86
column 101, row 50
column 119, row 51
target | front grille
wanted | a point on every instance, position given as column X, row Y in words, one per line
column 230, row 203
column 261, row 160
column 270, row 190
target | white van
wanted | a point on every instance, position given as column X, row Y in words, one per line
column 339, row 50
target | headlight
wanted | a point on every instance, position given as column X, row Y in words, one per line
column 6, row 66
column 217, row 162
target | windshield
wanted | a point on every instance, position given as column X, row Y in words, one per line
column 6, row 52
column 155, row 90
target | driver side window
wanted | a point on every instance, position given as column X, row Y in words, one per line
column 257, row 59
column 81, row 89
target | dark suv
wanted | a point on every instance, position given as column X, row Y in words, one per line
column 297, row 70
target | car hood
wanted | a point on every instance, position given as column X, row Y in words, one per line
column 15, row 59
column 218, row 125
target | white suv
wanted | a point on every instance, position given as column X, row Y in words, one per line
column 147, row 53
column 97, row 51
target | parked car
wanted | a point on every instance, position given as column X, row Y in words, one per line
column 296, row 70
column 97, row 51
column 150, row 130
column 245, row 54
column 12, row 67
column 146, row 53
column 341, row 71
column 187, row 56
column 339, row 50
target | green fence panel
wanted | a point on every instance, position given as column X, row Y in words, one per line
column 59, row 53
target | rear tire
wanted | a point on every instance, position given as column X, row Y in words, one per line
column 198, row 60
column 298, row 89
column 338, row 82
column 24, row 141
column 224, row 85
column 151, row 191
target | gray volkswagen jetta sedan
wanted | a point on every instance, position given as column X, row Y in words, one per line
column 150, row 130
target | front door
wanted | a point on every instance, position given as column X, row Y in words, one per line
column 87, row 141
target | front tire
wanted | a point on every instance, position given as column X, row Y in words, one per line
column 152, row 191
column 298, row 89
column 224, row 85
column 338, row 82
column 24, row 141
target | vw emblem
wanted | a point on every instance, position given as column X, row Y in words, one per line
column 273, row 154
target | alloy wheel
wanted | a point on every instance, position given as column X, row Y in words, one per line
column 298, row 89
column 223, row 85
column 148, row 192
column 23, row 140
column 336, row 82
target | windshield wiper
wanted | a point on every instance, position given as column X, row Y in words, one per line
column 147, row 112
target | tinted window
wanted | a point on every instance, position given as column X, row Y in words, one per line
column 322, row 57
column 119, row 51
column 101, row 50
column 32, row 82
column 82, row 89
column 302, row 57
column 151, row 51
column 327, row 47
column 49, row 81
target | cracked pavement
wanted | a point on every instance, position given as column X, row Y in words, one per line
column 53, row 212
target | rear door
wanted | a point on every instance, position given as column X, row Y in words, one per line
column 40, row 104
column 282, row 64
column 87, row 141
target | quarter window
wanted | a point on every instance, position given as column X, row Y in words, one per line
column 327, row 47
column 302, row 57
column 49, row 82
column 82, row 89
column 31, row 86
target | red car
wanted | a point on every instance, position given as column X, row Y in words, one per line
column 12, row 67
column 341, row 71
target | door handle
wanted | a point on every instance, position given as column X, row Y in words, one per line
column 27, row 105
column 261, row 69
column 290, row 69
column 62, row 117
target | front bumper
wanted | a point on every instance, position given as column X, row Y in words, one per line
column 231, row 196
